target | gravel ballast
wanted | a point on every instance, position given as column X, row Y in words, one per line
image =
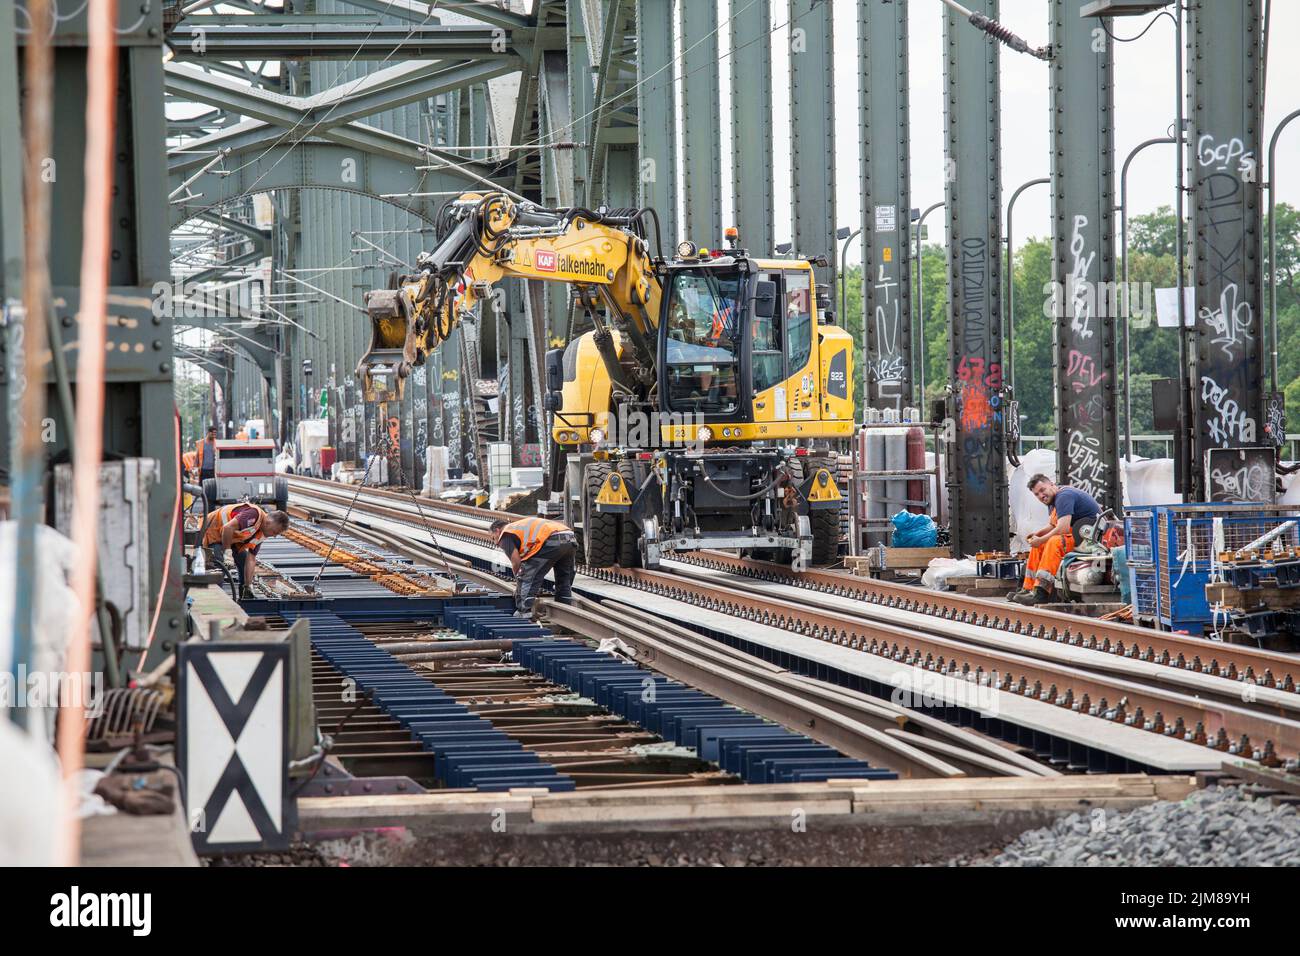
column 1219, row 826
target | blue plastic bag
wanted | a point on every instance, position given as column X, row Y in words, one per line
column 914, row 531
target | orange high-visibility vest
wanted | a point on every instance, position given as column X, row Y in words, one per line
column 720, row 320
column 532, row 534
column 198, row 453
column 244, row 537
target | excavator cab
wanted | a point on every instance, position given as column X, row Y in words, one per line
column 702, row 408
column 745, row 371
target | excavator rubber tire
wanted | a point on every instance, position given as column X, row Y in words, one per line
column 599, row 531
column 629, row 535
column 825, row 522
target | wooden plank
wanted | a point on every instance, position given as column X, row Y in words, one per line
column 718, row 805
column 213, row 603
column 1272, row 597
column 894, row 559
column 685, row 810
column 1254, row 773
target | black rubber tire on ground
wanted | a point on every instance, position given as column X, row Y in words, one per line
column 600, row 531
column 825, row 522
column 281, row 492
column 629, row 535
column 210, row 493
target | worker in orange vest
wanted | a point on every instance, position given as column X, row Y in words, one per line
column 535, row 545
column 241, row 529
column 1070, row 511
column 205, row 454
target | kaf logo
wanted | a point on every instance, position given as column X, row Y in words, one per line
column 545, row 261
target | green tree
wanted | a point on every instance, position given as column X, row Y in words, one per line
column 192, row 399
column 1153, row 350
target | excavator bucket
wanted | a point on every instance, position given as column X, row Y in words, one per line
column 383, row 368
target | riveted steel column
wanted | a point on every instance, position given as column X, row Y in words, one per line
column 886, row 203
column 581, row 100
column 751, row 123
column 1226, row 101
column 556, row 125
column 702, row 126
column 977, row 480
column 1085, row 302
column 812, row 133
column 656, row 106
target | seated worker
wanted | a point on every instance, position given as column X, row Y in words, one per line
column 241, row 528
column 535, row 545
column 1069, row 511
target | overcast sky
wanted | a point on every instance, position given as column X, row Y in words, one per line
column 1144, row 107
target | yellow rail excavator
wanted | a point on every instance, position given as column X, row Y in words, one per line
column 703, row 409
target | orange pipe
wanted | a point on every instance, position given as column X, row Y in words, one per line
column 101, row 101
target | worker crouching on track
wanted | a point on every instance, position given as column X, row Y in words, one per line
column 535, row 545
column 1069, row 511
column 241, row 528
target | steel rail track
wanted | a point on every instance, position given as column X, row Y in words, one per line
column 686, row 656
column 1234, row 662
column 1234, row 729
column 1240, row 662
column 952, row 652
column 856, row 724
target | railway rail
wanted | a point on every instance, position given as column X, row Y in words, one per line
column 1234, row 699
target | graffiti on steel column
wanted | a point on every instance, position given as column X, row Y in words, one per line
column 1251, row 482
column 1232, row 324
column 1085, row 383
column 419, row 389
column 451, row 416
column 979, row 381
column 887, row 365
column 1082, row 300
column 1225, row 316
column 347, row 434
column 519, row 403
column 1228, row 421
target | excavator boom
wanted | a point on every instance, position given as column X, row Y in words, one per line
column 484, row 238
column 674, row 418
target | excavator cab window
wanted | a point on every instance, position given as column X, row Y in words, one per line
column 798, row 319
column 768, row 357
column 702, row 341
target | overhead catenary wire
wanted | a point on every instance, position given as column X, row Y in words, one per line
column 993, row 28
column 251, row 189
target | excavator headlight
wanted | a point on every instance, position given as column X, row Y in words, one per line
column 705, row 433
column 596, row 435
column 687, row 250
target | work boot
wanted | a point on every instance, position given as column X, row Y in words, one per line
column 245, row 593
column 1015, row 595
column 1036, row 596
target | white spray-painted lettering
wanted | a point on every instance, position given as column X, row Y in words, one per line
column 1230, row 422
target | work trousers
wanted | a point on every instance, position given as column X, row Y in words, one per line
column 237, row 552
column 559, row 551
column 1045, row 560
